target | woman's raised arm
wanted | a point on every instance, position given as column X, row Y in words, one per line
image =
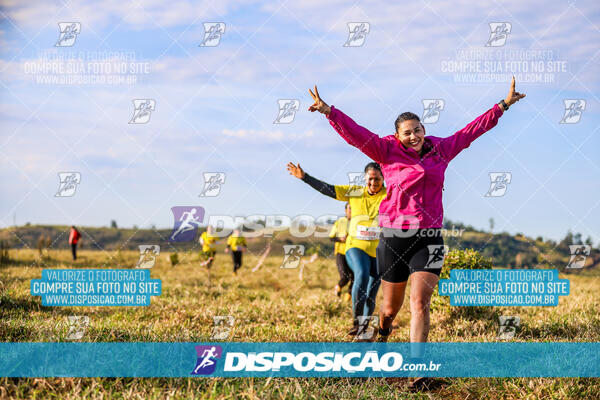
column 366, row 141
column 320, row 186
column 463, row 138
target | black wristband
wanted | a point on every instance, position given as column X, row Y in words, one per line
column 504, row 105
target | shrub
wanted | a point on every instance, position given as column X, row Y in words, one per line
column 314, row 249
column 464, row 259
column 174, row 257
column 460, row 259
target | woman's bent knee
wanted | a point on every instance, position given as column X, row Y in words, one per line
column 389, row 312
column 420, row 306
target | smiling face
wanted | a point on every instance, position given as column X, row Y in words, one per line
column 411, row 134
column 374, row 180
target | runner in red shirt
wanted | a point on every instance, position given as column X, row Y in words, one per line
column 73, row 239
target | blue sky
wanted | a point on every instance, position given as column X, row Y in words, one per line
column 215, row 108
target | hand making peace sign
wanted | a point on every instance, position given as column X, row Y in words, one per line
column 319, row 104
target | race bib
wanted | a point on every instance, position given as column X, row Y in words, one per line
column 367, row 232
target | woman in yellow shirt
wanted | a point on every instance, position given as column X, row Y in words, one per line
column 237, row 244
column 363, row 234
column 339, row 234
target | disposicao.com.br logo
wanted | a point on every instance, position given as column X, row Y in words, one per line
column 207, row 359
column 321, row 362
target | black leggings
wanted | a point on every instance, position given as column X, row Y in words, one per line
column 237, row 260
column 74, row 250
column 399, row 255
column 346, row 274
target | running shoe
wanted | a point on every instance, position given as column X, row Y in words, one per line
column 337, row 290
column 383, row 338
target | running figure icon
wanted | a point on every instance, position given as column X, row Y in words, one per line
column 187, row 220
column 190, row 221
column 207, row 359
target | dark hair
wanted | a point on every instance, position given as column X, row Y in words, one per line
column 406, row 116
column 373, row 165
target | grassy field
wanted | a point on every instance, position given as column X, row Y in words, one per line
column 271, row 304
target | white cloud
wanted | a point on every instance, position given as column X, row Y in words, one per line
column 98, row 14
column 271, row 136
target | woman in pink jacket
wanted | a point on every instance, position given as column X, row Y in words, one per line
column 411, row 215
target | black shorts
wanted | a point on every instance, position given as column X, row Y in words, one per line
column 399, row 255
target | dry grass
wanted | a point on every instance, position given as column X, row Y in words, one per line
column 270, row 305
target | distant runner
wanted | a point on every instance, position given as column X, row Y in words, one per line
column 74, row 237
column 237, row 244
column 208, row 241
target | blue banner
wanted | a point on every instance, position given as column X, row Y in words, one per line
column 96, row 287
column 235, row 359
column 504, row 287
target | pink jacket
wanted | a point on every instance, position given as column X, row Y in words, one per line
column 414, row 184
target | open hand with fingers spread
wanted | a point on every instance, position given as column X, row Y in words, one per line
column 318, row 105
column 295, row 170
column 513, row 96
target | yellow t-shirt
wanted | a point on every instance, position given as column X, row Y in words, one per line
column 363, row 217
column 339, row 229
column 236, row 242
column 208, row 241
